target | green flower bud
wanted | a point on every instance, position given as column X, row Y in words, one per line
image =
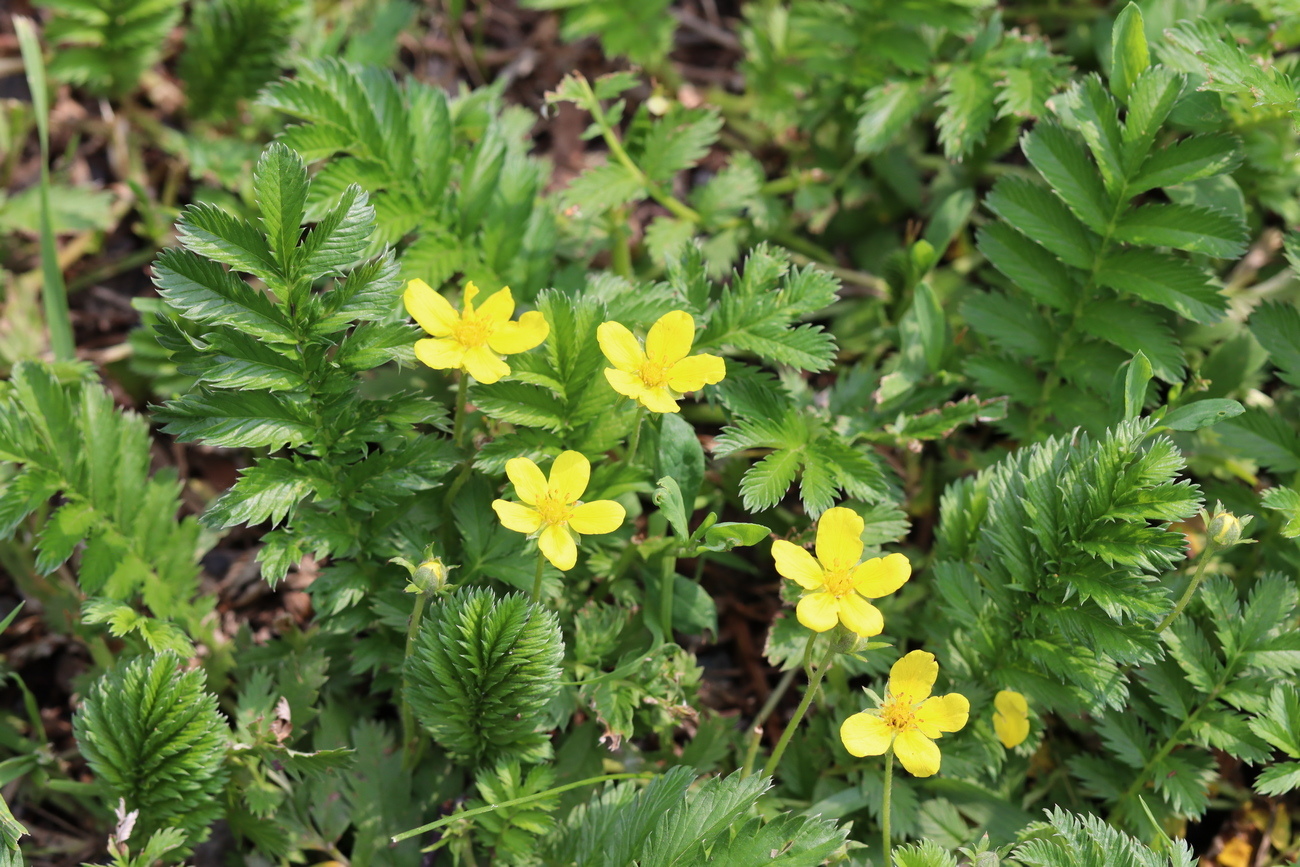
column 430, row 576
column 1225, row 529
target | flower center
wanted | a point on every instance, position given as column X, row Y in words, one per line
column 838, row 582
column 654, row 373
column 554, row 510
column 898, row 712
column 472, row 331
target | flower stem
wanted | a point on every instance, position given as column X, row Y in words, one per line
column 884, row 809
column 462, row 397
column 756, row 733
column 411, row 734
column 667, row 579
column 814, row 681
column 635, row 442
column 537, row 579
column 1210, row 547
column 526, row 799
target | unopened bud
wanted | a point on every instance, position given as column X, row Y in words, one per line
column 430, row 576
column 845, row 640
column 1225, row 528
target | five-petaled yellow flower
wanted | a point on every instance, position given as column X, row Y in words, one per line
column 909, row 719
column 838, row 582
column 658, row 375
column 475, row 339
column 1011, row 721
column 551, row 509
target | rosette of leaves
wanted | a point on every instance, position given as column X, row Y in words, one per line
column 233, row 48
column 1047, row 564
column 452, row 176
column 1105, row 253
column 481, row 673
column 154, row 738
column 282, row 369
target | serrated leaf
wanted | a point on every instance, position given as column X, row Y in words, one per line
column 280, row 185
column 1278, row 779
column 1129, row 54
column 1165, row 280
column 202, row 290
column 1034, row 211
column 240, row 420
column 520, row 403
column 222, row 237
column 886, row 111
column 1185, row 227
column 1135, row 328
column 341, row 236
column 968, row 110
column 1062, row 159
column 599, row 189
column 268, row 490
column 1277, row 328
column 1027, row 264
column 1286, row 501
column 1194, row 158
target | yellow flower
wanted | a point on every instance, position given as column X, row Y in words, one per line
column 658, row 375
column 473, row 340
column 551, row 510
column 837, row 579
column 909, row 719
column 1011, row 721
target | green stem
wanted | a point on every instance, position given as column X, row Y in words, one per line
column 884, row 809
column 526, row 799
column 635, row 442
column 411, row 734
column 814, row 681
column 537, row 579
column 1210, row 547
column 666, row 581
column 462, row 397
column 674, row 205
column 620, row 244
column 756, row 733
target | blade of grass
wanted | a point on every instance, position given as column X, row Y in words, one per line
column 53, row 290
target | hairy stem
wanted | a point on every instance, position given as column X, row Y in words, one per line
column 526, row 799
column 884, row 808
column 668, row 577
column 462, row 397
column 537, row 578
column 635, row 442
column 410, row 733
column 814, row 681
column 1210, row 547
column 756, row 732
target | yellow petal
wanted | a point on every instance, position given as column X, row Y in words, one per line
column 528, row 480
column 797, row 564
column 620, row 346
column 558, row 546
column 1011, row 703
column 440, row 353
column 511, row 337
column 517, row 516
column 499, row 306
column 484, row 365
column 671, row 337
column 839, row 539
column 434, row 313
column 467, row 300
column 861, row 616
column 1011, row 730
column 881, row 576
column 692, row 374
column 942, row 713
column 626, row 384
column 569, row 476
column 865, row 734
column 818, row 611
column 598, row 516
column 919, row 755
column 913, row 676
column 658, row 400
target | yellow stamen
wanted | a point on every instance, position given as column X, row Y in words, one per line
column 653, row 373
column 472, row 331
column 898, row 712
column 838, row 583
column 554, row 510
